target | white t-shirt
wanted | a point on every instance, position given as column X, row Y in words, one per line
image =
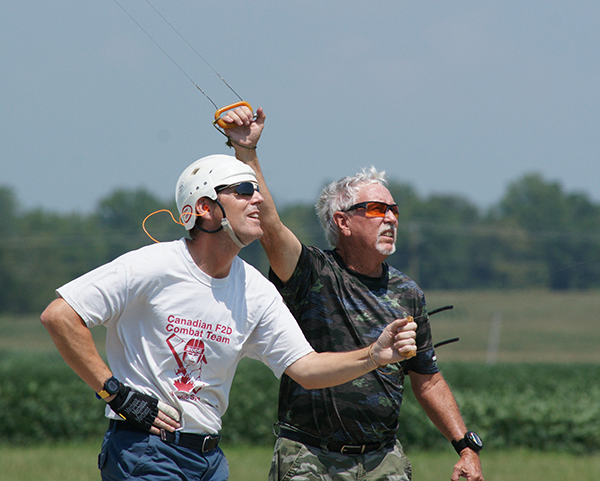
column 178, row 334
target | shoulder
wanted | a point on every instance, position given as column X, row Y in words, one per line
column 161, row 251
column 316, row 256
column 153, row 251
column 398, row 277
column 312, row 264
column 259, row 295
column 250, row 275
column 152, row 261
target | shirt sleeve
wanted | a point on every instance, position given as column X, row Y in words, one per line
column 298, row 286
column 425, row 362
column 98, row 296
column 277, row 340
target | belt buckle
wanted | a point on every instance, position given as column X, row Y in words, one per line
column 349, row 447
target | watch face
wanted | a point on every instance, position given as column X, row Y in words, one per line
column 474, row 439
column 112, row 385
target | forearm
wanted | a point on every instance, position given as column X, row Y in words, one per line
column 280, row 244
column 327, row 369
column 436, row 399
column 269, row 218
column 74, row 342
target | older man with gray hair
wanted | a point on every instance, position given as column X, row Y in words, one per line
column 342, row 299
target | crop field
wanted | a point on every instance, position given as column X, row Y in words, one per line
column 498, row 327
column 493, row 326
column 528, row 326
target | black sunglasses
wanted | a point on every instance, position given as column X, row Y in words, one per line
column 375, row 209
column 243, row 188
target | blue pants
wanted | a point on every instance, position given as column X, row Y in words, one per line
column 134, row 455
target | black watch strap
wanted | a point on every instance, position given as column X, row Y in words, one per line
column 470, row 440
column 111, row 386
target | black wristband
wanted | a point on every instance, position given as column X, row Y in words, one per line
column 471, row 440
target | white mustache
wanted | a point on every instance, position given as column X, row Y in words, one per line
column 384, row 229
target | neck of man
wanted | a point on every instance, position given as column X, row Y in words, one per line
column 368, row 264
column 213, row 253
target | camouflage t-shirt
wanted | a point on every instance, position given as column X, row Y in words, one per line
column 341, row 310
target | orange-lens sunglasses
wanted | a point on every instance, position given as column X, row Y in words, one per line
column 375, row 209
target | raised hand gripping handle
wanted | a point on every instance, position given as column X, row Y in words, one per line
column 220, row 122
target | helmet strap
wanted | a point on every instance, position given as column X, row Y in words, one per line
column 226, row 226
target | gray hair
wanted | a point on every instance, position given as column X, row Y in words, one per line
column 340, row 195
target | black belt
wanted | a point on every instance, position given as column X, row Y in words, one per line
column 197, row 442
column 350, row 449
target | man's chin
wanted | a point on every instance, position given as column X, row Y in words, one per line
column 386, row 249
column 250, row 238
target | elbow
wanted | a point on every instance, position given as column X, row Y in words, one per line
column 303, row 372
column 46, row 318
column 51, row 315
column 305, row 379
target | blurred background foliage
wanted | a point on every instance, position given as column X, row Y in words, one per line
column 536, row 236
column 532, row 260
column 510, row 405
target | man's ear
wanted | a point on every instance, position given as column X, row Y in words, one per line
column 204, row 208
column 341, row 220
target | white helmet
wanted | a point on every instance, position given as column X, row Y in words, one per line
column 202, row 177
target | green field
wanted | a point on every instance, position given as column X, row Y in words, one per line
column 535, row 326
column 78, row 463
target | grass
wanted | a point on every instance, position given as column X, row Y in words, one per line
column 77, row 462
column 510, row 465
column 534, row 326
column 26, row 333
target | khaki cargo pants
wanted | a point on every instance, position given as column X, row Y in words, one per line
column 299, row 462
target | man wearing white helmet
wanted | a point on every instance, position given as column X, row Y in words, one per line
column 163, row 301
column 199, row 180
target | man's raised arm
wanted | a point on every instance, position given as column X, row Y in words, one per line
column 281, row 245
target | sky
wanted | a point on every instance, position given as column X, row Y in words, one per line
column 459, row 98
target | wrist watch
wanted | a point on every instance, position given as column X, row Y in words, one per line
column 471, row 440
column 111, row 386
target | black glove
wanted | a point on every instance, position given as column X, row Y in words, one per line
column 136, row 408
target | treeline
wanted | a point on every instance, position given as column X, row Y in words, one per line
column 537, row 235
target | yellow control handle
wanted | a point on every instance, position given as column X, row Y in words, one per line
column 220, row 112
column 411, row 353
